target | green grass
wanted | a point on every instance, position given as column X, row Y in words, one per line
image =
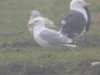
column 14, row 15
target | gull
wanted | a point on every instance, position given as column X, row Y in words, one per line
column 35, row 14
column 47, row 37
column 75, row 22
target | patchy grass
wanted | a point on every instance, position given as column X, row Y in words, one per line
column 17, row 46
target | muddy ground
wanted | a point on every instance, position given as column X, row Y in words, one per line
column 84, row 68
column 84, row 42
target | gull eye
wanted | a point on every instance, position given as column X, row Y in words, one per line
column 36, row 21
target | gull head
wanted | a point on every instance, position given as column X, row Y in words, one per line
column 38, row 21
column 35, row 14
column 78, row 4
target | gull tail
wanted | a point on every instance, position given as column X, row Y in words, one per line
column 72, row 44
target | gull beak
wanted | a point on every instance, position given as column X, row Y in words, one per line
column 30, row 22
column 30, row 25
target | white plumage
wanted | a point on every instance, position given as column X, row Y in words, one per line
column 35, row 14
column 46, row 36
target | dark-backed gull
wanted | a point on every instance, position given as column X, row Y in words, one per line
column 75, row 22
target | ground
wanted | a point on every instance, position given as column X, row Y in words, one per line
column 21, row 55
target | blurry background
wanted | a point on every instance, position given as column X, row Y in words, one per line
column 20, row 55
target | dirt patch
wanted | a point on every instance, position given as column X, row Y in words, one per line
column 12, row 33
column 37, row 70
column 29, row 69
column 19, row 45
column 85, row 68
column 84, row 42
column 90, row 41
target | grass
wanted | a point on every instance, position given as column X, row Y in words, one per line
column 17, row 45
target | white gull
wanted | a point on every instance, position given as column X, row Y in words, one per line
column 47, row 37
